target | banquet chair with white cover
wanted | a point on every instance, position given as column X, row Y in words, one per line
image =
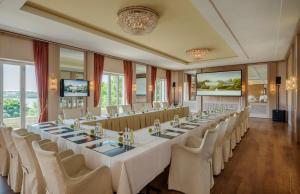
column 126, row 108
column 138, row 107
column 164, row 105
column 218, row 162
column 190, row 170
column 71, row 175
column 4, row 156
column 156, row 105
column 33, row 181
column 72, row 113
column 15, row 174
column 227, row 151
column 234, row 134
column 95, row 111
column 148, row 107
column 239, row 128
column 112, row 110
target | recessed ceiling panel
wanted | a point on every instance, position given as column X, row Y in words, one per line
column 180, row 26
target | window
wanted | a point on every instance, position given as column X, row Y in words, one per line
column 112, row 90
column 160, row 90
column 19, row 98
column 186, row 91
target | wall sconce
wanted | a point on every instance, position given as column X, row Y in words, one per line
column 133, row 87
column 291, row 83
column 150, row 88
column 243, row 88
column 272, row 88
column 92, row 85
column 53, row 84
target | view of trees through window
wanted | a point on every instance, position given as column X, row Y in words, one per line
column 112, row 90
column 20, row 98
column 160, row 90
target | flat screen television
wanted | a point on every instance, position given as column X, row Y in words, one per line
column 74, row 88
column 226, row 83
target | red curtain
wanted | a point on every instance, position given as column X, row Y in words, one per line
column 128, row 80
column 153, row 80
column 40, row 52
column 98, row 73
column 189, row 79
column 168, row 76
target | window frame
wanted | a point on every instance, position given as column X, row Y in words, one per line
column 22, row 83
column 163, row 90
column 109, row 89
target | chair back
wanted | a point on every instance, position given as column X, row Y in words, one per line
column 156, row 105
column 29, row 161
column 208, row 144
column 72, row 113
column 112, row 110
column 52, row 170
column 165, row 105
column 126, row 108
column 222, row 130
column 148, row 106
column 4, row 162
column 95, row 111
column 138, row 107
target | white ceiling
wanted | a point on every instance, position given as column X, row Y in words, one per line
column 257, row 31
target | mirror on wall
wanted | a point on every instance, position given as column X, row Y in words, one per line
column 71, row 68
column 141, row 83
column 258, row 90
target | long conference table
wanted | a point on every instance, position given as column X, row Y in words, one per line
column 132, row 166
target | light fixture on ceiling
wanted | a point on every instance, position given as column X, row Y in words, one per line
column 137, row 20
column 197, row 53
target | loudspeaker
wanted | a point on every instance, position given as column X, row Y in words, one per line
column 278, row 80
column 278, row 115
column 174, row 84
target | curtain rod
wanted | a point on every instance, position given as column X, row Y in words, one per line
column 65, row 45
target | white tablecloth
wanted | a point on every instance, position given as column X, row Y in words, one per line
column 132, row 170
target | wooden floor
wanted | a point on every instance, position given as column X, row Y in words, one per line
column 265, row 162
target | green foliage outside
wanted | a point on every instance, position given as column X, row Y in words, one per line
column 113, row 94
column 230, row 84
column 11, row 108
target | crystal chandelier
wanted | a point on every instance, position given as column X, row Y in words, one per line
column 197, row 53
column 137, row 20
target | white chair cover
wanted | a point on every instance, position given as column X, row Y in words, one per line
column 126, row 108
column 165, row 105
column 112, row 110
column 227, row 151
column 4, row 161
column 156, row 105
column 148, row 107
column 190, row 170
column 70, row 175
column 138, row 107
column 218, row 162
column 95, row 111
column 15, row 174
column 72, row 113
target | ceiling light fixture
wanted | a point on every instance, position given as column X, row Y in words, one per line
column 197, row 53
column 137, row 20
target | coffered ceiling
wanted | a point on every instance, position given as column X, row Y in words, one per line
column 180, row 26
column 238, row 32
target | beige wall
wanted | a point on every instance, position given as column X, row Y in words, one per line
column 16, row 48
column 293, row 96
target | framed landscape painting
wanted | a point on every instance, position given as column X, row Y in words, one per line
column 227, row 83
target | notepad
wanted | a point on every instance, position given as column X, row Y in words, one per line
column 172, row 134
column 105, row 148
column 77, row 138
